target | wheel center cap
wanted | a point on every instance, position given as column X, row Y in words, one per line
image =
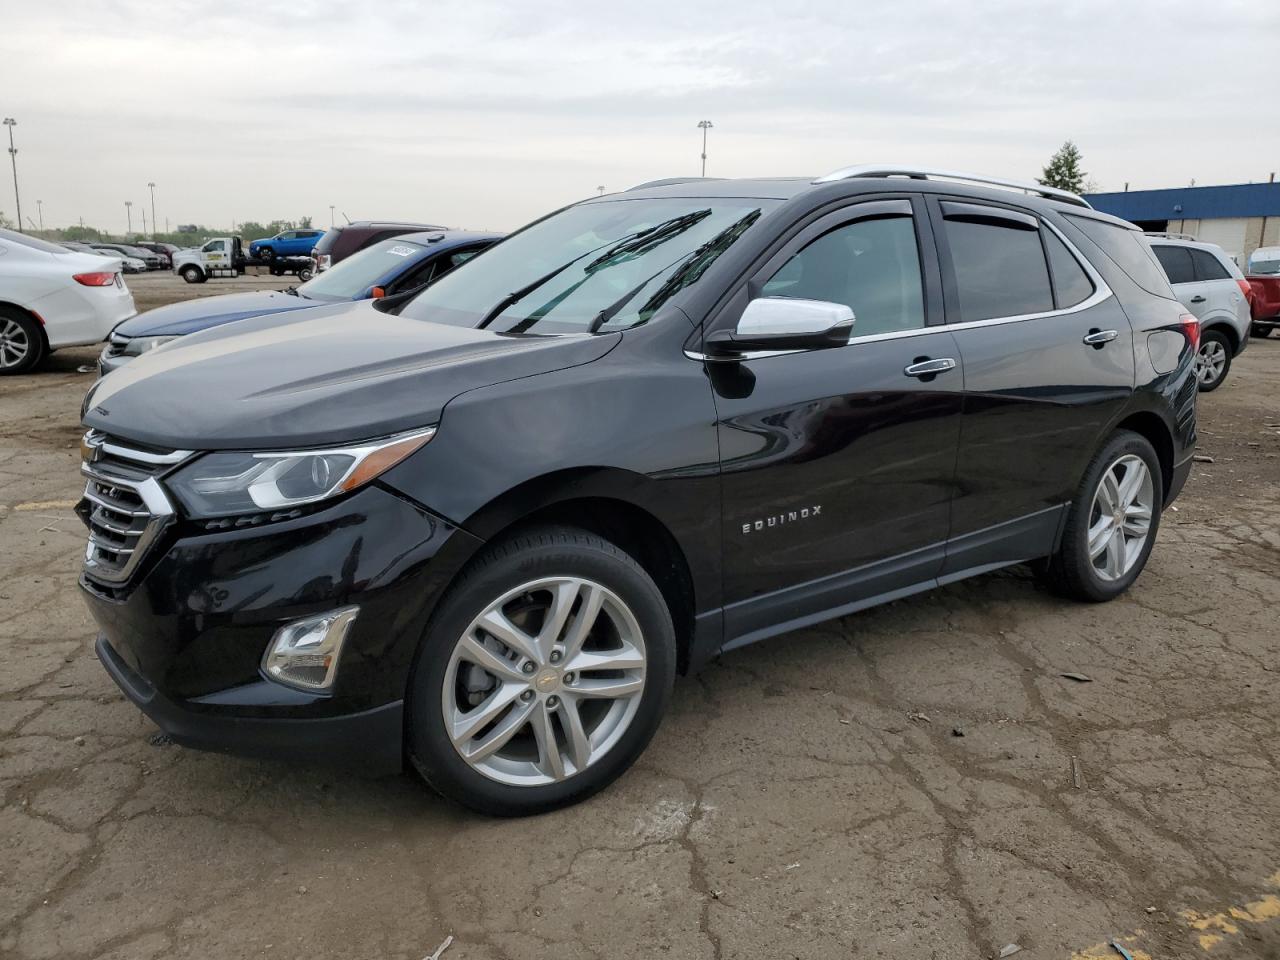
column 547, row 681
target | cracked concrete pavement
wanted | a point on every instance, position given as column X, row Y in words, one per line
column 807, row 797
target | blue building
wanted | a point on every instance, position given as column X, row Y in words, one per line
column 1239, row 217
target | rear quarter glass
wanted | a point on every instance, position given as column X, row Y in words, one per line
column 1129, row 251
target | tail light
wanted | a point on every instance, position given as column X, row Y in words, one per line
column 1191, row 327
column 1247, row 290
column 322, row 262
column 95, row 279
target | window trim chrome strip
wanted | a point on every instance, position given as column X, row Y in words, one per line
column 1101, row 293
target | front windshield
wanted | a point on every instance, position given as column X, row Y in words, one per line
column 352, row 277
column 594, row 266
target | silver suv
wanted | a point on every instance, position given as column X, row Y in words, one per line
column 1210, row 285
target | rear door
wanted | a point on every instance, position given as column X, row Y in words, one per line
column 838, row 464
column 1191, row 292
column 1048, row 363
column 1223, row 296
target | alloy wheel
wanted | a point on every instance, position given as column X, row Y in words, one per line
column 544, row 682
column 15, row 344
column 1211, row 360
column 1120, row 518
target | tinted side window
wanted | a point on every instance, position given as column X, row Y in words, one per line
column 1000, row 269
column 1129, row 251
column 1176, row 262
column 1208, row 267
column 873, row 266
column 1071, row 284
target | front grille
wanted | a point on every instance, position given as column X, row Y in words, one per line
column 124, row 505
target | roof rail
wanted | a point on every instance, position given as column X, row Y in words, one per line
column 1169, row 236
column 669, row 182
column 926, row 173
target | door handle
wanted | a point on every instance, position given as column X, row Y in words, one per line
column 1096, row 338
column 928, row 368
column 1197, row 299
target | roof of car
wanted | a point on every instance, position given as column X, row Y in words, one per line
column 447, row 238
column 383, row 224
column 787, row 188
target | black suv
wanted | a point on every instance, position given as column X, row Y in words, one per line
column 486, row 528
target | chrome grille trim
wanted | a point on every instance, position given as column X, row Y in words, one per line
column 125, row 507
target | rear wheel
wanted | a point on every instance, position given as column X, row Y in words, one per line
column 1112, row 523
column 1213, row 360
column 21, row 342
column 266, row 253
column 192, row 274
column 542, row 676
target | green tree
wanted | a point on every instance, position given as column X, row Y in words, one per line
column 1064, row 171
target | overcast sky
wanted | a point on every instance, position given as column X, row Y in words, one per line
column 487, row 114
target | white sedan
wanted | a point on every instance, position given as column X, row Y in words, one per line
column 52, row 297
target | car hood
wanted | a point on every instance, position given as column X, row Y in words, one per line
column 331, row 375
column 179, row 319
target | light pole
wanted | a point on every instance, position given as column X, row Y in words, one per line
column 601, row 189
column 331, row 216
column 128, row 212
column 704, row 126
column 40, row 213
column 152, row 185
column 144, row 221
column 13, row 159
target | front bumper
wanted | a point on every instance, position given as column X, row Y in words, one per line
column 107, row 362
column 184, row 638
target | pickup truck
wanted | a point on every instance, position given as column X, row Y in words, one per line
column 287, row 243
column 1264, row 303
column 224, row 257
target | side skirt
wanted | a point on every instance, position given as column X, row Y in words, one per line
column 759, row 618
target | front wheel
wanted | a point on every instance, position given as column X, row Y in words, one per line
column 266, row 253
column 192, row 274
column 305, row 274
column 1112, row 522
column 1213, row 360
column 543, row 674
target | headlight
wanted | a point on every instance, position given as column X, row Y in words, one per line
column 140, row 345
column 223, row 484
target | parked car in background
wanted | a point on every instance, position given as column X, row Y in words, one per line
column 1210, row 285
column 394, row 269
column 1264, row 262
column 287, row 243
column 52, row 297
column 127, row 264
column 159, row 249
column 342, row 241
column 485, row 529
column 148, row 257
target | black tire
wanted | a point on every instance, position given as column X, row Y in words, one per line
column 20, row 333
column 192, row 274
column 266, row 253
column 504, row 566
column 304, row 274
column 1220, row 339
column 1260, row 330
column 1071, row 572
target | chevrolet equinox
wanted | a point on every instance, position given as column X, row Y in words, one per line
column 483, row 529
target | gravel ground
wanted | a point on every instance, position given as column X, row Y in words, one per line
column 901, row 783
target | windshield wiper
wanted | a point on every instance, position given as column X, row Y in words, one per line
column 638, row 242
column 292, row 291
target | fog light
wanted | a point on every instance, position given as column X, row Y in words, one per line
column 304, row 654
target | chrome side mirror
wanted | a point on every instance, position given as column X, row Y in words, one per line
column 781, row 323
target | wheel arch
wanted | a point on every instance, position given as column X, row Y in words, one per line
column 1153, row 428
column 1226, row 329
column 28, row 312
column 614, row 504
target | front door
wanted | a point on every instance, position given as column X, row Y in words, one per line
column 838, row 464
